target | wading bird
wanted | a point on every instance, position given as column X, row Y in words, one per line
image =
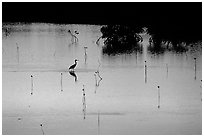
column 74, row 38
column 76, row 32
column 74, row 65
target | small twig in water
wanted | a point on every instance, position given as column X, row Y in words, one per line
column 158, row 96
column 195, row 68
column 41, row 125
column 17, row 52
column 31, row 84
column 145, row 72
column 61, row 83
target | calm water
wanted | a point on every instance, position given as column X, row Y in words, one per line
column 123, row 102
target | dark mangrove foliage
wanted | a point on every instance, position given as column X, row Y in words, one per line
column 121, row 39
column 126, row 38
column 174, row 36
column 172, row 25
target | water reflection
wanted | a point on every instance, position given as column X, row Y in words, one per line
column 167, row 70
column 97, row 81
column 98, row 122
column 17, row 52
column 122, row 90
column 72, row 73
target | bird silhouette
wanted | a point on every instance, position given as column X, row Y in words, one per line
column 76, row 32
column 74, row 38
column 74, row 65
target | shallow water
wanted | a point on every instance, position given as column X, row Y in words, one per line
column 123, row 102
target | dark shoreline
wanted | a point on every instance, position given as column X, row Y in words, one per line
column 174, row 21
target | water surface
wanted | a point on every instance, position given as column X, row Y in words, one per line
column 123, row 102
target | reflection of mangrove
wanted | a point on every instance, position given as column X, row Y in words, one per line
column 72, row 73
column 120, row 39
column 160, row 48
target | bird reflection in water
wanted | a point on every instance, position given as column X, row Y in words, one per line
column 97, row 74
column 84, row 103
column 96, row 80
column 72, row 73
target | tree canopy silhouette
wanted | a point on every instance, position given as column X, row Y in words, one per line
column 170, row 22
